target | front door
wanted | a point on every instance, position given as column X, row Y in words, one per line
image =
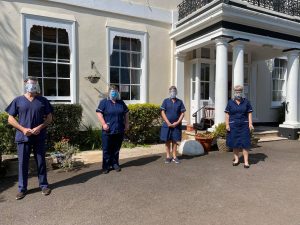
column 200, row 88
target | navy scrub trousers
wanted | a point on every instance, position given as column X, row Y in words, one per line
column 114, row 116
column 30, row 115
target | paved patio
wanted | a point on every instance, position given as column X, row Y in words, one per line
column 204, row 190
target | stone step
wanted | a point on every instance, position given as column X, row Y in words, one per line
column 266, row 134
column 267, row 139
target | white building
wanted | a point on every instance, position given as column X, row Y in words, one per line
column 144, row 46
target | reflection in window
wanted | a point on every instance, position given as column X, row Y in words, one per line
column 125, row 67
column 49, row 60
column 204, row 82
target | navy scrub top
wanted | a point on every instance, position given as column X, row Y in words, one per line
column 30, row 115
column 114, row 115
column 172, row 110
column 238, row 113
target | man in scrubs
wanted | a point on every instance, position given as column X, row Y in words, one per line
column 30, row 114
column 172, row 112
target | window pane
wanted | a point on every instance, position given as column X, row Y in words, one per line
column 230, row 56
column 135, row 76
column 125, row 43
column 116, row 44
column 205, row 53
column 63, row 70
column 114, row 75
column 49, row 34
column 35, row 69
column 63, row 37
column 40, row 80
column 35, row 51
column 245, row 58
column 194, row 72
column 64, row 87
column 49, row 87
column 125, row 59
column 280, row 85
column 115, row 59
column 202, row 90
column 49, row 70
column 136, row 60
column 125, row 92
column 206, row 91
column 135, row 45
column 50, row 52
column 63, row 53
column 125, row 77
column 36, row 33
column 135, row 92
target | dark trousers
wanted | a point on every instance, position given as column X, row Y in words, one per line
column 111, row 144
column 24, row 150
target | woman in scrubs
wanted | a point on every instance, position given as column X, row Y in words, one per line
column 172, row 112
column 113, row 116
column 238, row 121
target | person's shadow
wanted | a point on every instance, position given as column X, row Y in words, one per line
column 255, row 158
column 84, row 177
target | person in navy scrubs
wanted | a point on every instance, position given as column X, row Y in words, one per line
column 113, row 116
column 172, row 112
column 238, row 121
column 34, row 114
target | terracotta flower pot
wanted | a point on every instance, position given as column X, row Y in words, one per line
column 205, row 142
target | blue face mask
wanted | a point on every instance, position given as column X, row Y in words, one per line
column 113, row 95
column 173, row 94
column 32, row 88
column 238, row 95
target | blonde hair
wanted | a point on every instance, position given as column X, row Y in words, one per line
column 238, row 88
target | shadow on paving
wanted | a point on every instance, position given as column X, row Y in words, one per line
column 254, row 158
column 84, row 177
column 7, row 182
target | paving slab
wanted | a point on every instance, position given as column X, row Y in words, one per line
column 205, row 190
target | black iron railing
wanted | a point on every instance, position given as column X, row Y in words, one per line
column 288, row 7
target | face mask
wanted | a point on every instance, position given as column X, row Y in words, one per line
column 113, row 95
column 173, row 94
column 238, row 95
column 32, row 88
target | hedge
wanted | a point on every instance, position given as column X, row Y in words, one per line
column 7, row 135
column 144, row 123
column 66, row 123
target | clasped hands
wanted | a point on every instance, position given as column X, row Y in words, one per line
column 172, row 125
column 33, row 131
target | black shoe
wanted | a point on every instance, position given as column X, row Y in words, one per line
column 21, row 195
column 105, row 171
column 46, row 191
column 246, row 166
column 235, row 163
column 117, row 168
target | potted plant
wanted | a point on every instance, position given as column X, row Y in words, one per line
column 205, row 139
column 220, row 133
column 254, row 140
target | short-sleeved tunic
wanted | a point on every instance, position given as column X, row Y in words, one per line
column 239, row 134
column 30, row 114
column 114, row 115
column 173, row 111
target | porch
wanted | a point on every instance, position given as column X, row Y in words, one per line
column 214, row 53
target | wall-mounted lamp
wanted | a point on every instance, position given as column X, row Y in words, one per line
column 95, row 75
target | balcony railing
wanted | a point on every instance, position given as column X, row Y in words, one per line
column 288, row 7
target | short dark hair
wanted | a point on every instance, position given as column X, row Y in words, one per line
column 172, row 87
column 30, row 78
column 113, row 87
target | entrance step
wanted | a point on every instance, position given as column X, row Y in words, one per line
column 267, row 134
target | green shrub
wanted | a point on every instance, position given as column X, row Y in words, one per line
column 66, row 123
column 220, row 131
column 144, row 123
column 7, row 135
column 90, row 138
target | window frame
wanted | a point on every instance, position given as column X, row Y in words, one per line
column 112, row 32
column 276, row 104
column 28, row 21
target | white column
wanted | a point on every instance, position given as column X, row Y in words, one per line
column 292, row 109
column 179, row 77
column 238, row 64
column 221, row 89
